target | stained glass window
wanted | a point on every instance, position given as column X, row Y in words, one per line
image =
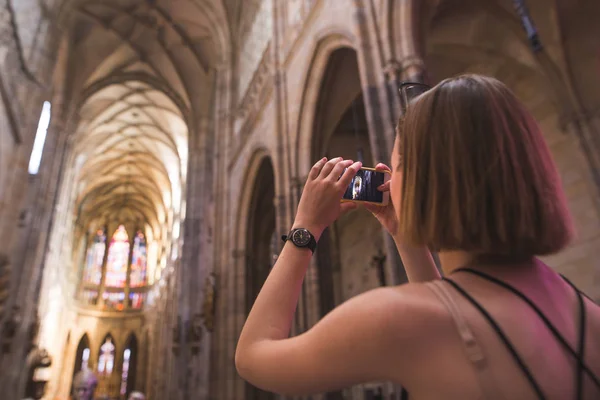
column 85, row 359
column 95, row 255
column 106, row 360
column 90, row 296
column 136, row 300
column 114, row 300
column 125, row 373
column 118, row 257
column 138, row 261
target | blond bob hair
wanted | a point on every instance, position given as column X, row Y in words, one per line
column 478, row 175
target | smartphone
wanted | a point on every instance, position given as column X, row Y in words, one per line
column 363, row 187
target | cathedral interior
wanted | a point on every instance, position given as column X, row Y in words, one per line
column 152, row 153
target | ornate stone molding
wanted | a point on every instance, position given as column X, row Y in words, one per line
column 25, row 70
column 258, row 91
column 297, row 13
column 411, row 65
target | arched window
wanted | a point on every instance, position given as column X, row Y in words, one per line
column 82, row 356
column 118, row 257
column 128, row 371
column 138, row 261
column 105, row 278
column 106, row 358
column 40, row 139
column 92, row 273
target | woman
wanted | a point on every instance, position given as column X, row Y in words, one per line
column 472, row 179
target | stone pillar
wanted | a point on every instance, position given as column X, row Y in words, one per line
column 223, row 262
column 192, row 361
column 380, row 114
column 286, row 192
column 585, row 125
column 591, row 129
column 127, row 289
column 109, row 230
column 30, row 250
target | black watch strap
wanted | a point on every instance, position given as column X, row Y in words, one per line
column 299, row 239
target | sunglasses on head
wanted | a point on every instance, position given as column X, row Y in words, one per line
column 410, row 91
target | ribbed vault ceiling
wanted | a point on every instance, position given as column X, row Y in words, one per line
column 141, row 71
column 133, row 153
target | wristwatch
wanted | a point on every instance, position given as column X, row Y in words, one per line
column 302, row 238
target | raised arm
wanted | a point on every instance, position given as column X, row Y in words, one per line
column 418, row 261
column 357, row 342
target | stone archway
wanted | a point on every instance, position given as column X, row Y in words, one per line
column 486, row 39
column 260, row 234
column 347, row 249
column 82, row 355
column 129, row 366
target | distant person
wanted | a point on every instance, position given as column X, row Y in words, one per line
column 84, row 385
column 472, row 179
column 136, row 396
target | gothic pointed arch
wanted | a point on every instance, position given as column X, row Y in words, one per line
column 129, row 366
column 258, row 238
column 260, row 230
column 82, row 355
column 107, row 355
column 310, row 95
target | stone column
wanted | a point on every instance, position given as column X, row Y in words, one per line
column 287, row 195
column 127, row 288
column 222, row 244
column 192, row 362
column 590, row 127
column 380, row 114
column 109, row 229
column 30, row 250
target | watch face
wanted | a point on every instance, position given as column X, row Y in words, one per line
column 301, row 237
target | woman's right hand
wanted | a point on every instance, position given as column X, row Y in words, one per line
column 385, row 214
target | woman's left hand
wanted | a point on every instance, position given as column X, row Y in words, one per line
column 320, row 202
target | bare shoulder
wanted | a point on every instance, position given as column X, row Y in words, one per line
column 379, row 335
column 408, row 313
column 389, row 300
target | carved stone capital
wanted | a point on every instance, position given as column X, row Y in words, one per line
column 392, row 70
column 412, row 66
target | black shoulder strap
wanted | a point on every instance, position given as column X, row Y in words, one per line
column 581, row 345
column 403, row 394
column 502, row 336
column 581, row 342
